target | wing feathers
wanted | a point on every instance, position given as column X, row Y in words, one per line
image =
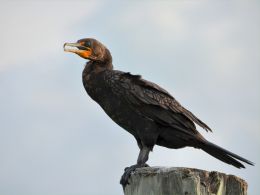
column 155, row 102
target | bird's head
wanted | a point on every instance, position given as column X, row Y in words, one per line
column 90, row 49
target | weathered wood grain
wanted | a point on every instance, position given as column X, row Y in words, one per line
column 183, row 181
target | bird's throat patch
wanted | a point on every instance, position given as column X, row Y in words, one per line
column 84, row 53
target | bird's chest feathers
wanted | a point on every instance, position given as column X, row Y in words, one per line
column 93, row 82
column 97, row 85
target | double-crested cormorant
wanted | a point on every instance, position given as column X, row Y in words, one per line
column 148, row 112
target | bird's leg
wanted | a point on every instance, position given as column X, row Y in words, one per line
column 143, row 156
column 141, row 162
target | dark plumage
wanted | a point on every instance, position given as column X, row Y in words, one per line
column 143, row 108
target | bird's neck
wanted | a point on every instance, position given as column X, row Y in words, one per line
column 95, row 66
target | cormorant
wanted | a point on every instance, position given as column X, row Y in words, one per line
column 144, row 109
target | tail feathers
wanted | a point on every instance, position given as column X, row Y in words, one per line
column 224, row 155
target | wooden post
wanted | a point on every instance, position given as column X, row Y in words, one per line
column 183, row 181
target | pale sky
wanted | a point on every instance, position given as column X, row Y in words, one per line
column 54, row 140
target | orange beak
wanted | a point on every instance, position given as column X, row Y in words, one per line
column 78, row 48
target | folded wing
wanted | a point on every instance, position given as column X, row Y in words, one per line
column 155, row 103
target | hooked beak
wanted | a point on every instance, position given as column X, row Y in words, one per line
column 78, row 48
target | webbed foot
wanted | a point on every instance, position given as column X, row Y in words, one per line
column 128, row 170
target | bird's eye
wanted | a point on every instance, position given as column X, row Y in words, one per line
column 88, row 44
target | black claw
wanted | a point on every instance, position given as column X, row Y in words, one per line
column 146, row 165
column 127, row 174
column 126, row 168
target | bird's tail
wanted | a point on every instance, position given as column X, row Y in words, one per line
column 224, row 155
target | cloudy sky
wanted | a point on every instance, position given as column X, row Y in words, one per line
column 54, row 140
